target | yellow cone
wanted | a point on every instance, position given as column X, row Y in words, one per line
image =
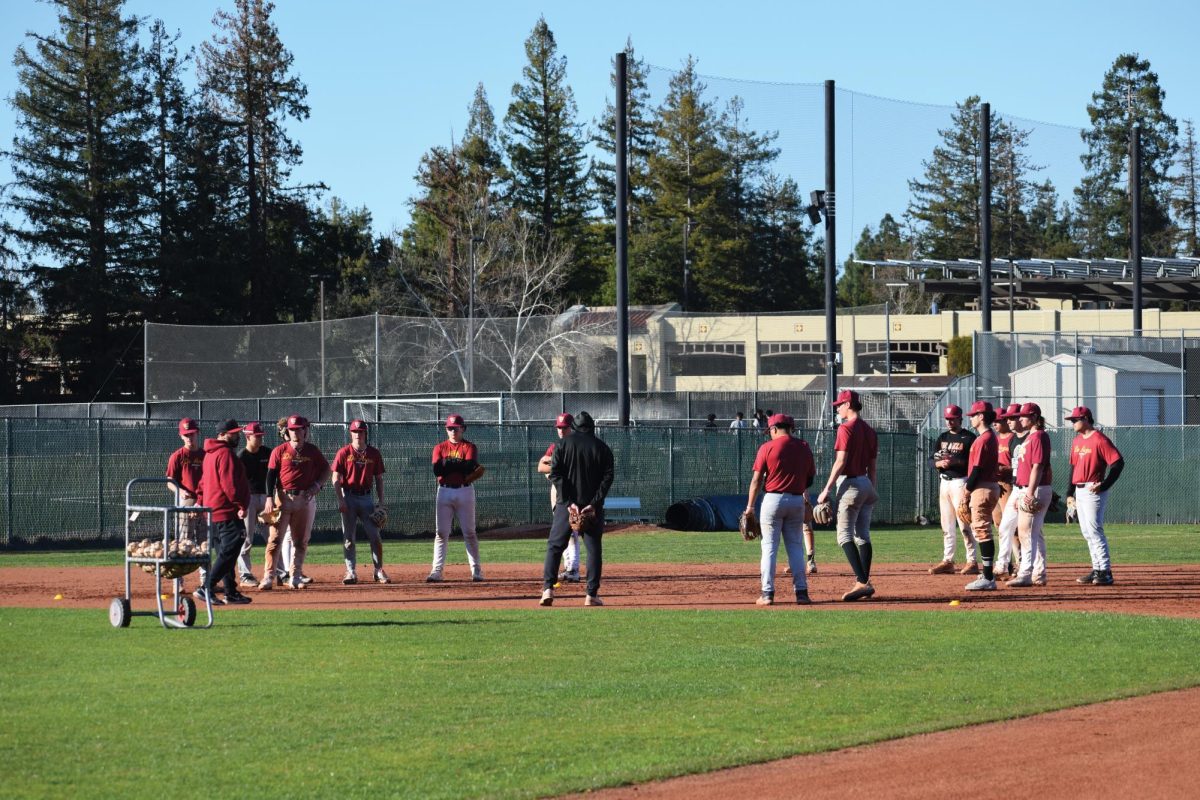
column 954, row 602
column 58, row 597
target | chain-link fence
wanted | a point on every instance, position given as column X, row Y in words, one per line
column 1146, row 380
column 63, row 481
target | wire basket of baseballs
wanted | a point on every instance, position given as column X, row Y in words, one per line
column 179, row 549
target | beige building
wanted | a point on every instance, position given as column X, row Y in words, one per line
column 670, row 351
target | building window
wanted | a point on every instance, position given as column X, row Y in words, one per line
column 707, row 358
column 793, row 358
column 911, row 358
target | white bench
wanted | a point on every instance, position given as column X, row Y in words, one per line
column 625, row 508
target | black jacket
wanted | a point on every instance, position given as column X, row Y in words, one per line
column 581, row 469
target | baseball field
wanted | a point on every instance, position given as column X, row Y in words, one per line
column 470, row 690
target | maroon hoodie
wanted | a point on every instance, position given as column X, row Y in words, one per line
column 224, row 486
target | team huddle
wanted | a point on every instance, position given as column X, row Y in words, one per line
column 995, row 489
column 271, row 493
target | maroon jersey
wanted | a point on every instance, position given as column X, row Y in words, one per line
column 452, row 463
column 1034, row 450
column 186, row 467
column 358, row 468
column 1091, row 456
column 788, row 463
column 298, row 469
column 1004, row 458
column 549, row 451
column 984, row 454
column 858, row 441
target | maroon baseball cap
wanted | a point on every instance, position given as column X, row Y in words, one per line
column 565, row 421
column 358, row 425
column 296, row 422
column 188, row 425
column 1030, row 410
column 1080, row 412
column 782, row 420
column 844, row 396
column 455, row 421
column 952, row 412
column 1008, row 413
column 980, row 407
column 253, row 429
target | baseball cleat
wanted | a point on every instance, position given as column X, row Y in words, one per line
column 282, row 578
column 381, row 577
column 592, row 600
column 971, row 568
column 1039, row 581
column 1103, row 578
column 1019, row 581
column 203, row 594
column 942, row 568
column 304, row 579
column 237, row 599
column 859, row 591
column 350, row 579
column 295, row 583
column 811, row 569
column 267, row 584
column 547, row 597
column 766, row 599
column 569, row 576
column 802, row 598
column 247, row 581
column 477, row 577
column 981, row 584
column 434, row 577
column 1089, row 578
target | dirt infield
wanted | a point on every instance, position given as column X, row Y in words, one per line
column 1159, row 590
column 1108, row 749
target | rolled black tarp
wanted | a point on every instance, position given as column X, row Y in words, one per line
column 714, row 513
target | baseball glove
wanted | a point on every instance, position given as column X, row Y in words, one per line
column 823, row 513
column 582, row 520
column 1072, row 512
column 379, row 516
column 748, row 526
column 941, row 455
column 269, row 519
column 1028, row 504
column 963, row 512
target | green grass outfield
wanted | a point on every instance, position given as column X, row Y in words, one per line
column 1130, row 544
column 374, row 704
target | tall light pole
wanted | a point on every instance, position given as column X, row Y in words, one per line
column 471, row 319
column 322, row 337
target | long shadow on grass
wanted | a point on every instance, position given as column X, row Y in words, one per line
column 382, row 623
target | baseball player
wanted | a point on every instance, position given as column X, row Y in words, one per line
column 1033, row 494
column 570, row 573
column 254, row 458
column 853, row 477
column 227, row 493
column 185, row 468
column 581, row 469
column 1092, row 455
column 357, row 470
column 456, row 467
column 783, row 469
column 298, row 470
column 1004, row 566
column 983, row 490
column 950, row 459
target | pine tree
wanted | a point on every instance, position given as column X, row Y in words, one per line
column 687, row 171
column 863, row 285
column 80, row 164
column 246, row 75
column 545, row 149
column 1051, row 225
column 1130, row 94
column 1186, row 201
column 783, row 269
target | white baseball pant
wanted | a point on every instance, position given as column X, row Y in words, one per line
column 950, row 494
column 1090, row 507
column 1033, row 542
column 458, row 502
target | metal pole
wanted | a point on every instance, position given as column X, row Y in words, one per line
column 1135, row 223
column 8, row 479
column 830, row 254
column 985, row 218
column 622, row 221
column 1012, row 290
column 887, row 358
column 322, row 338
column 377, row 360
column 471, row 323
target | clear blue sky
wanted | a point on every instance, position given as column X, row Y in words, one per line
column 387, row 80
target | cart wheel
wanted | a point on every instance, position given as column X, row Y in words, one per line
column 187, row 611
column 118, row 612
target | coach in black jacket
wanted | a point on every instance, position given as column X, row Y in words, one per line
column 581, row 470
